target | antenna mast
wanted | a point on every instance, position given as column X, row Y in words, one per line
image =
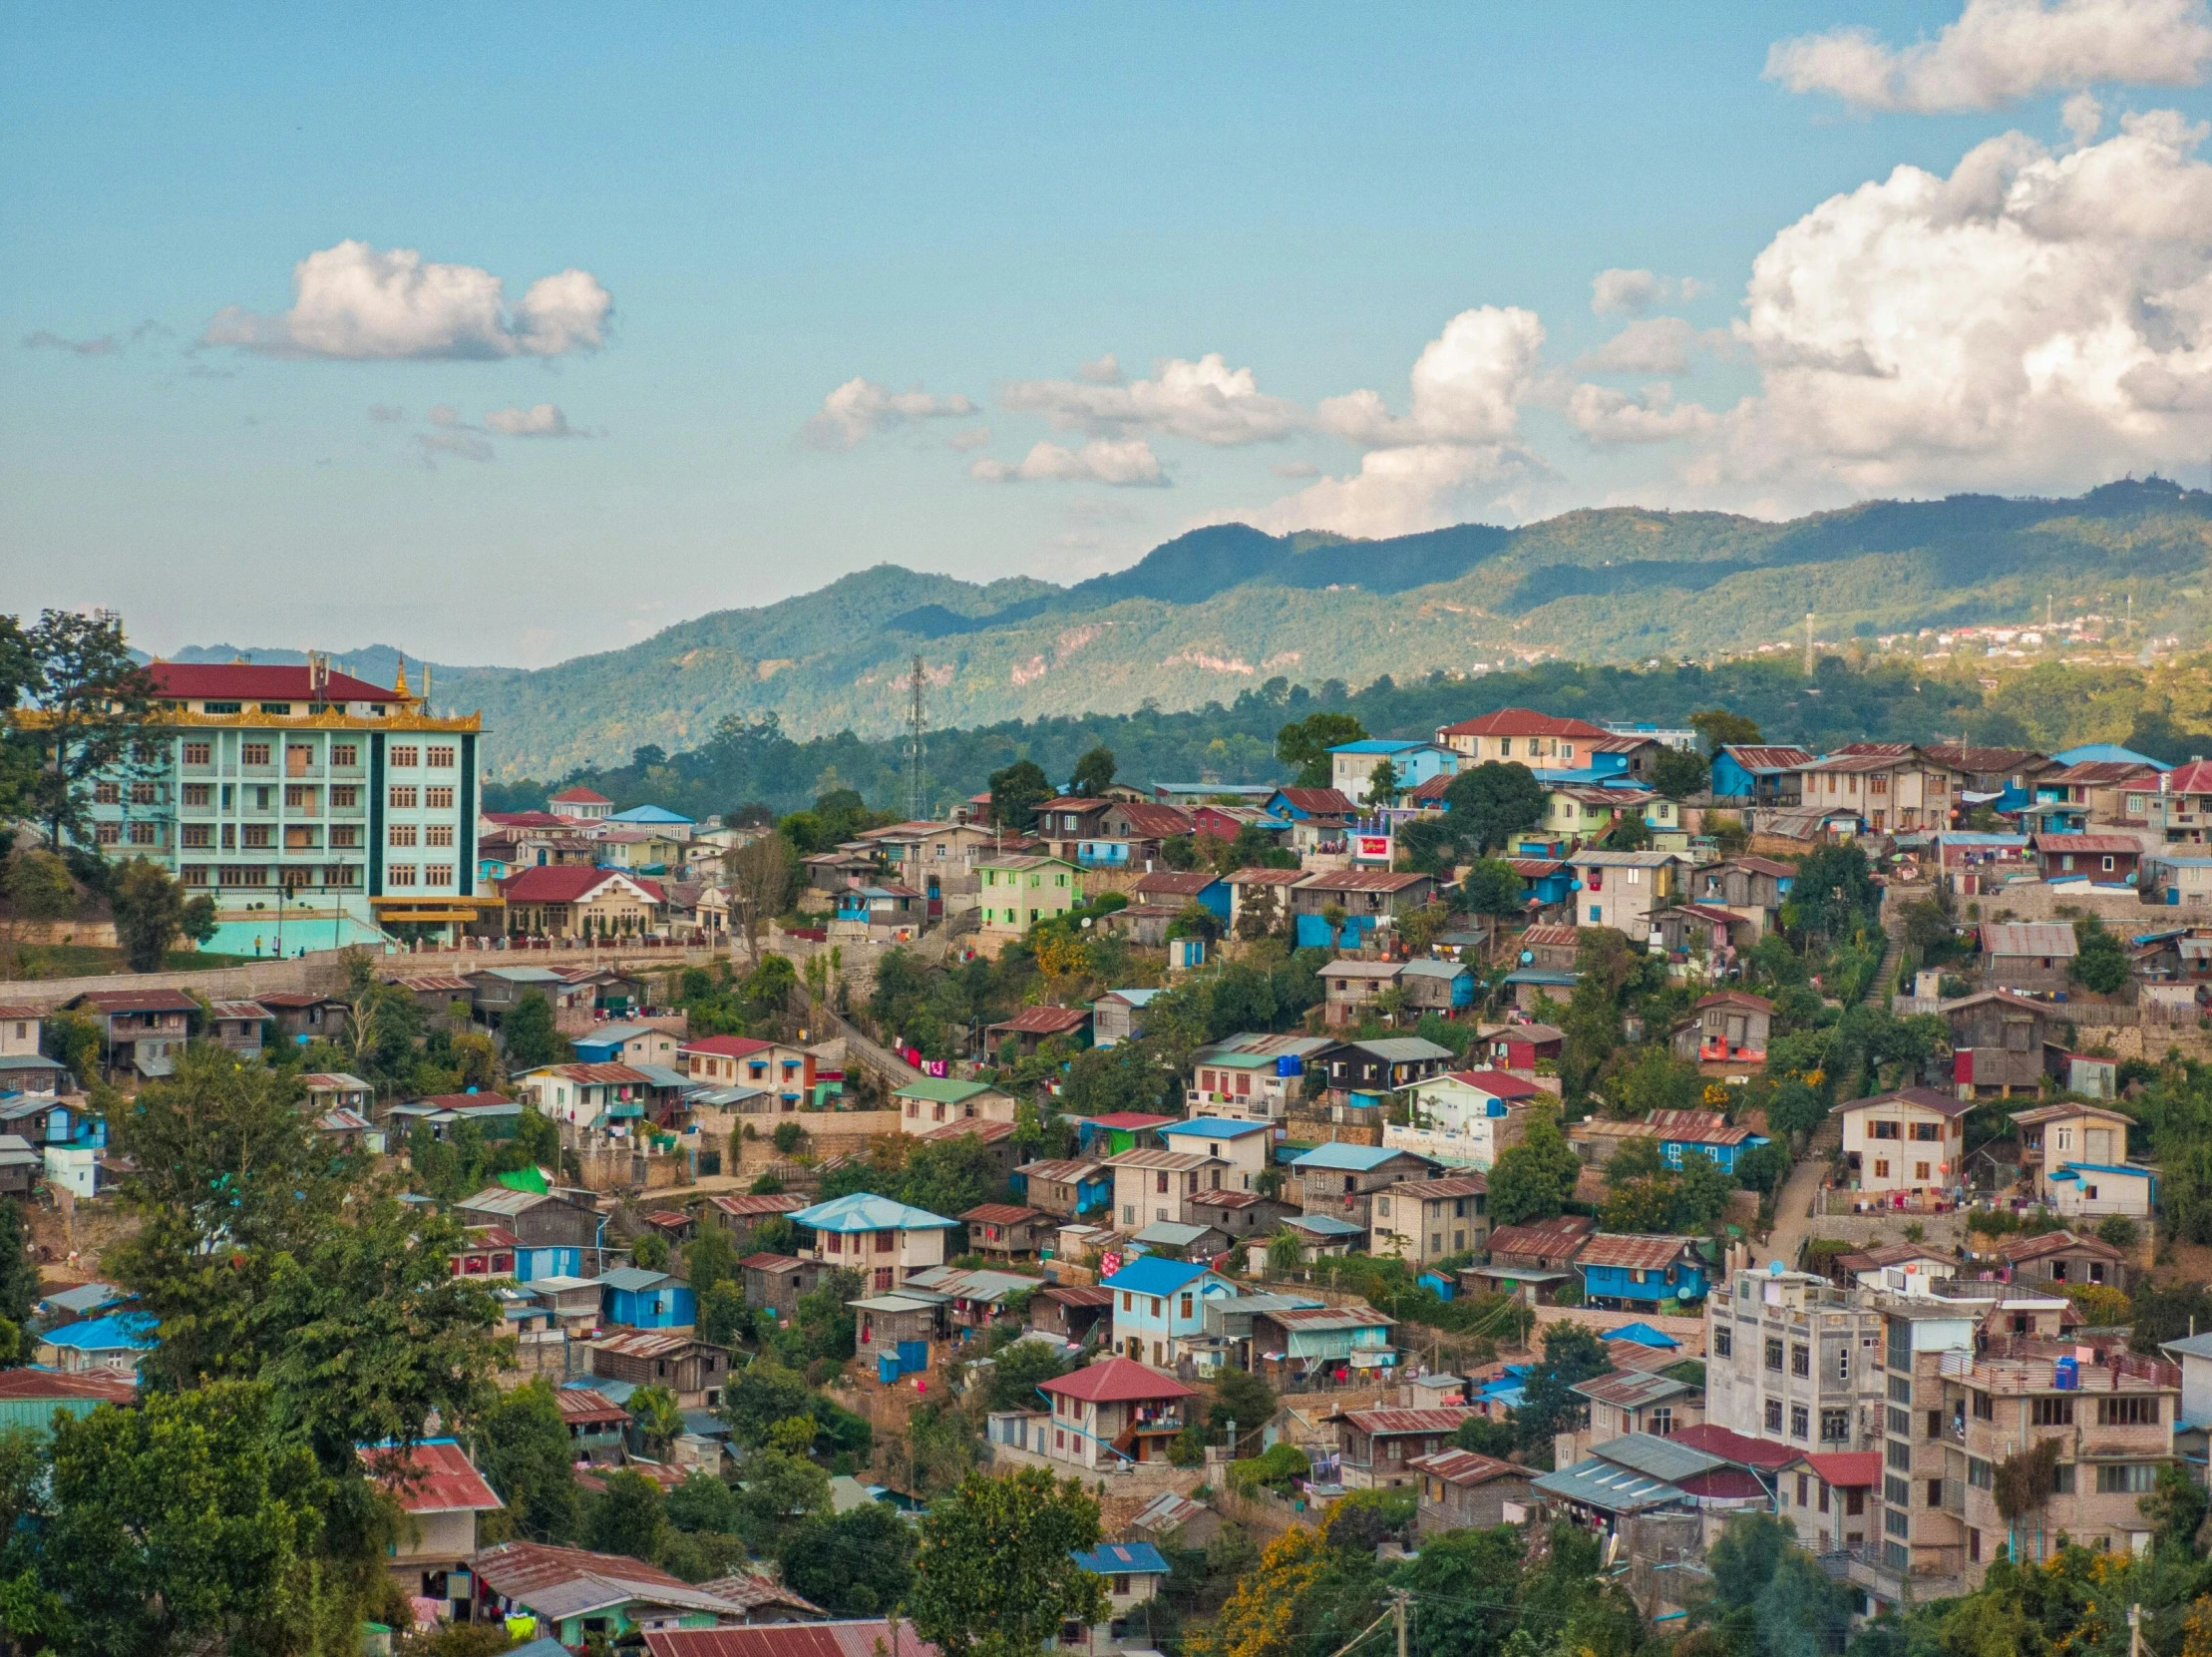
column 1808, row 643
column 917, row 732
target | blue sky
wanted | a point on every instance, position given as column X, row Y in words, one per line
column 976, row 201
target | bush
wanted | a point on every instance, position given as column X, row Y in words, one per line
column 2119, row 1230
column 1275, row 1469
column 789, row 1137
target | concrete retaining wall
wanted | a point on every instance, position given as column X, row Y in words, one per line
column 322, row 972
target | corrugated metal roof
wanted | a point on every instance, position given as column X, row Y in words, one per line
column 2037, row 938
column 1616, row 1489
column 1638, row 1253
column 436, row 1476
column 1465, row 1466
column 1397, row 1424
column 1657, row 1457
column 873, row 1638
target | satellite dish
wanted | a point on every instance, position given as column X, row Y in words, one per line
column 1527, row 956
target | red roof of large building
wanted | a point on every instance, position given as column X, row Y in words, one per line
column 244, row 681
column 40, row 1385
column 1522, row 722
column 877, row 1638
column 579, row 795
column 571, row 883
column 1848, row 1469
column 1734, row 1447
column 2192, row 778
column 1118, row 1380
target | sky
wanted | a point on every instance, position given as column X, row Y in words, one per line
column 504, row 334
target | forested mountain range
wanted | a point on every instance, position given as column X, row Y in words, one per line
column 1214, row 615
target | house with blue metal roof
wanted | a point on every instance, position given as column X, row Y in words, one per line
column 884, row 1241
column 1339, row 1181
column 1158, row 1302
column 1133, row 1573
column 1352, row 765
column 651, row 816
column 115, row 1341
column 2091, row 1189
column 1244, row 1146
column 641, row 1299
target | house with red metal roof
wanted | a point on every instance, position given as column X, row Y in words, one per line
column 1008, row 1230
column 574, row 1594
column 571, row 902
column 1378, row 1446
column 835, row 1638
column 1464, row 1118
column 440, row 1493
column 1830, row 1498
column 1524, row 736
column 582, row 804
column 1114, row 1414
column 1462, row 1490
column 1036, row 1025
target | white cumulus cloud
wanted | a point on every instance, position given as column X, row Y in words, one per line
column 1405, row 490
column 860, row 407
column 2002, row 50
column 1607, row 416
column 1655, row 345
column 1468, row 384
column 1127, row 463
column 543, row 420
column 1619, row 293
column 2037, row 321
column 1206, row 401
column 353, row 302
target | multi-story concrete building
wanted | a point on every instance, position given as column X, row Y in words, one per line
column 1792, row 1357
column 309, row 804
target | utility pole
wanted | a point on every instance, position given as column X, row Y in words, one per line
column 1808, row 643
column 1397, row 1615
column 2134, row 1631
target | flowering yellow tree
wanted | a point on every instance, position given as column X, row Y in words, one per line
column 1256, row 1620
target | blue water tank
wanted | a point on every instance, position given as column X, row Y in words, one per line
column 886, row 1367
column 2066, row 1374
column 1290, row 1065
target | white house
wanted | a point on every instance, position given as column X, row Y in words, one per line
column 1244, row 1146
column 1912, row 1141
column 887, row 1242
column 1463, row 1119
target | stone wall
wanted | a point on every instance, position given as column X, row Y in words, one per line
column 320, row 972
column 2034, row 900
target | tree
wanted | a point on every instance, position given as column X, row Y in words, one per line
column 1834, row 893
column 627, row 1518
column 1094, row 775
column 1549, row 1402
column 1020, row 1370
column 723, row 1314
column 1486, row 1437
column 1701, row 1194
column 1493, row 888
column 1493, row 802
column 761, row 1394
column 1678, row 773
column 88, row 705
column 1242, row 1398
column 186, row 1523
column 39, row 887
column 2101, row 960
column 1261, row 1617
column 151, row 912
column 1535, row 1176
column 859, row 1563
column 759, row 874
column 19, row 1275
column 524, row 1448
column 659, row 1417
column 1382, row 785
column 994, row 1577
column 650, row 1249
column 701, row 1502
column 1017, row 791
column 531, row 1040
column 1303, row 745
column 710, row 1259
column 780, row 1490
column 1719, row 729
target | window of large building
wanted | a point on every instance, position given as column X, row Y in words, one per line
column 438, row 799
column 345, row 835
column 345, row 753
column 406, row 757
column 1801, row 1361
column 438, row 758
column 438, row 834
column 276, row 707
column 2127, row 1412
column 198, row 834
column 1724, row 1341
column 299, row 796
column 106, row 834
column 141, row 793
column 345, row 797
column 2051, row 1412
column 1836, row 1427
column 1800, row 1422
column 1775, row 1415
column 199, row 794
column 400, row 874
column 403, row 798
column 1774, row 1356
column 437, row 874
column 253, row 753
column 400, row 834
column 256, row 834
column 2127, row 1477
column 106, row 793
column 193, row 874
column 199, row 753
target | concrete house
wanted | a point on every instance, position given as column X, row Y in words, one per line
column 1340, row 1180
column 1463, row 1119
column 1115, row 1414
column 1421, row 1221
column 1911, row 1142
column 1621, row 890
column 934, row 1102
column 1461, row 1491
column 1160, row 1302
column 1730, row 1028
column 1155, row 1186
column 886, row 1241
column 1244, row 1145
column 1350, row 989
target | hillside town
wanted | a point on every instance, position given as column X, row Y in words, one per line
column 1611, row 1138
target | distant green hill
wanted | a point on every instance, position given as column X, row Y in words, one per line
column 1226, row 608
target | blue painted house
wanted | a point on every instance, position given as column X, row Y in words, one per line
column 114, row 1343
column 43, row 1120
column 640, row 1298
column 1683, row 1131
column 1641, row 1273
column 1351, row 765
column 1068, row 1184
column 534, row 1261
column 1158, row 1301
column 1549, row 879
column 1763, row 774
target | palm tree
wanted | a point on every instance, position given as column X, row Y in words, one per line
column 658, row 1420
